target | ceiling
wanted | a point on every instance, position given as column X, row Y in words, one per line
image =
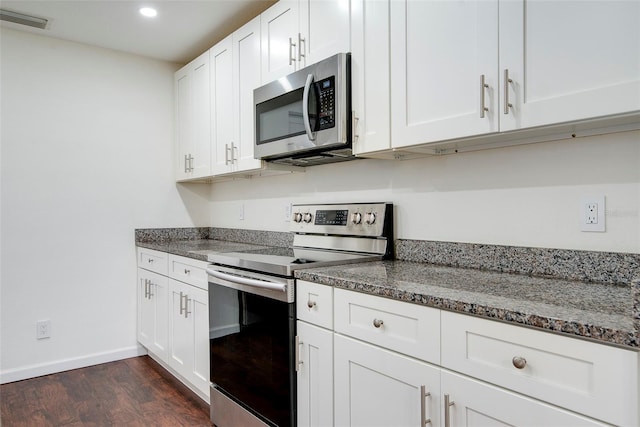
column 182, row 30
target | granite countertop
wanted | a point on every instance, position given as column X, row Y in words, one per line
column 602, row 312
column 198, row 249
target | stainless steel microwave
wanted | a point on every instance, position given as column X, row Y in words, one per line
column 304, row 119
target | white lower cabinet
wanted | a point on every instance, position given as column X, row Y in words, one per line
column 173, row 316
column 473, row 403
column 152, row 312
column 188, row 325
column 377, row 387
column 393, row 363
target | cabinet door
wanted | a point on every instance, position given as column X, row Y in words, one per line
column 370, row 75
column 183, row 113
column 153, row 319
column 246, row 69
column 473, row 403
column 222, row 130
column 200, row 165
column 568, row 60
column 439, row 51
column 324, row 30
column 315, row 375
column 189, row 334
column 376, row 387
column 193, row 129
column 279, row 27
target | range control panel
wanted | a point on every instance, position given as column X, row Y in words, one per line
column 352, row 219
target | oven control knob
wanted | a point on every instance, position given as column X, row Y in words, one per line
column 371, row 218
column 356, row 217
column 297, row 217
column 307, row 217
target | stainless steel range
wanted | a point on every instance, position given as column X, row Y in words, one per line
column 252, row 308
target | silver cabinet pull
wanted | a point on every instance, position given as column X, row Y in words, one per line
column 234, row 151
column 185, row 164
column 507, row 80
column 150, row 288
column 377, row 323
column 354, row 130
column 448, row 403
column 150, row 260
column 300, row 48
column 423, row 406
column 226, row 154
column 298, row 360
column 291, row 46
column 146, row 288
column 191, row 163
column 519, row 362
column 186, row 306
column 483, row 87
column 311, row 304
column 182, row 310
column 187, row 271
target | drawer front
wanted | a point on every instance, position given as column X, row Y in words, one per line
column 407, row 328
column 314, row 303
column 152, row 260
column 187, row 270
column 593, row 379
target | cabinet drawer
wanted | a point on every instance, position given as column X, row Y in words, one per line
column 187, row 270
column 593, row 379
column 152, row 260
column 404, row 327
column 314, row 303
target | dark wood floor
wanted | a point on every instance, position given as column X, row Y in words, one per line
column 131, row 392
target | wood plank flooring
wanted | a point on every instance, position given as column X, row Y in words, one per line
column 130, row 392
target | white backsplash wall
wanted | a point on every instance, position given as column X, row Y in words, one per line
column 87, row 157
column 521, row 196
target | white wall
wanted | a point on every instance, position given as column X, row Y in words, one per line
column 522, row 196
column 87, row 145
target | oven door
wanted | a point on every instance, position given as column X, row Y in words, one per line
column 252, row 354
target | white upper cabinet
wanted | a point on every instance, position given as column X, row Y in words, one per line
column 193, row 131
column 299, row 33
column 568, row 60
column 440, row 51
column 222, row 129
column 246, row 73
column 235, row 73
column 370, row 38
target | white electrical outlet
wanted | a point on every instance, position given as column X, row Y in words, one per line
column 592, row 214
column 287, row 212
column 43, row 329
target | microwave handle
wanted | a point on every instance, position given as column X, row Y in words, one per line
column 305, row 107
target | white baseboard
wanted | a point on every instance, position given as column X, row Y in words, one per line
column 33, row 371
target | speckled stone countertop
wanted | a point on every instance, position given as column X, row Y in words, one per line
column 602, row 312
column 198, row 249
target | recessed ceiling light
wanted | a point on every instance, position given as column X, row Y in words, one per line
column 149, row 12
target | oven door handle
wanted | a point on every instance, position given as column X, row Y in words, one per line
column 246, row 281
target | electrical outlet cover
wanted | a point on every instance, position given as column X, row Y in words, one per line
column 592, row 213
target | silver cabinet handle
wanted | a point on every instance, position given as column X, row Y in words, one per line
column 483, row 87
column 507, row 80
column 291, row 46
column 186, row 306
column 191, row 163
column 150, row 260
column 234, row 151
column 519, row 362
column 146, row 288
column 298, row 360
column 377, row 323
column 187, row 271
column 423, row 406
column 182, row 310
column 226, row 154
column 185, row 164
column 354, row 124
column 150, row 289
column 311, row 304
column 300, row 48
column 448, row 403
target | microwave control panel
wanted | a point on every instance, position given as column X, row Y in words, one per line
column 327, row 103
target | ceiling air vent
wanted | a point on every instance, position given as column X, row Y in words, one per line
column 21, row 18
